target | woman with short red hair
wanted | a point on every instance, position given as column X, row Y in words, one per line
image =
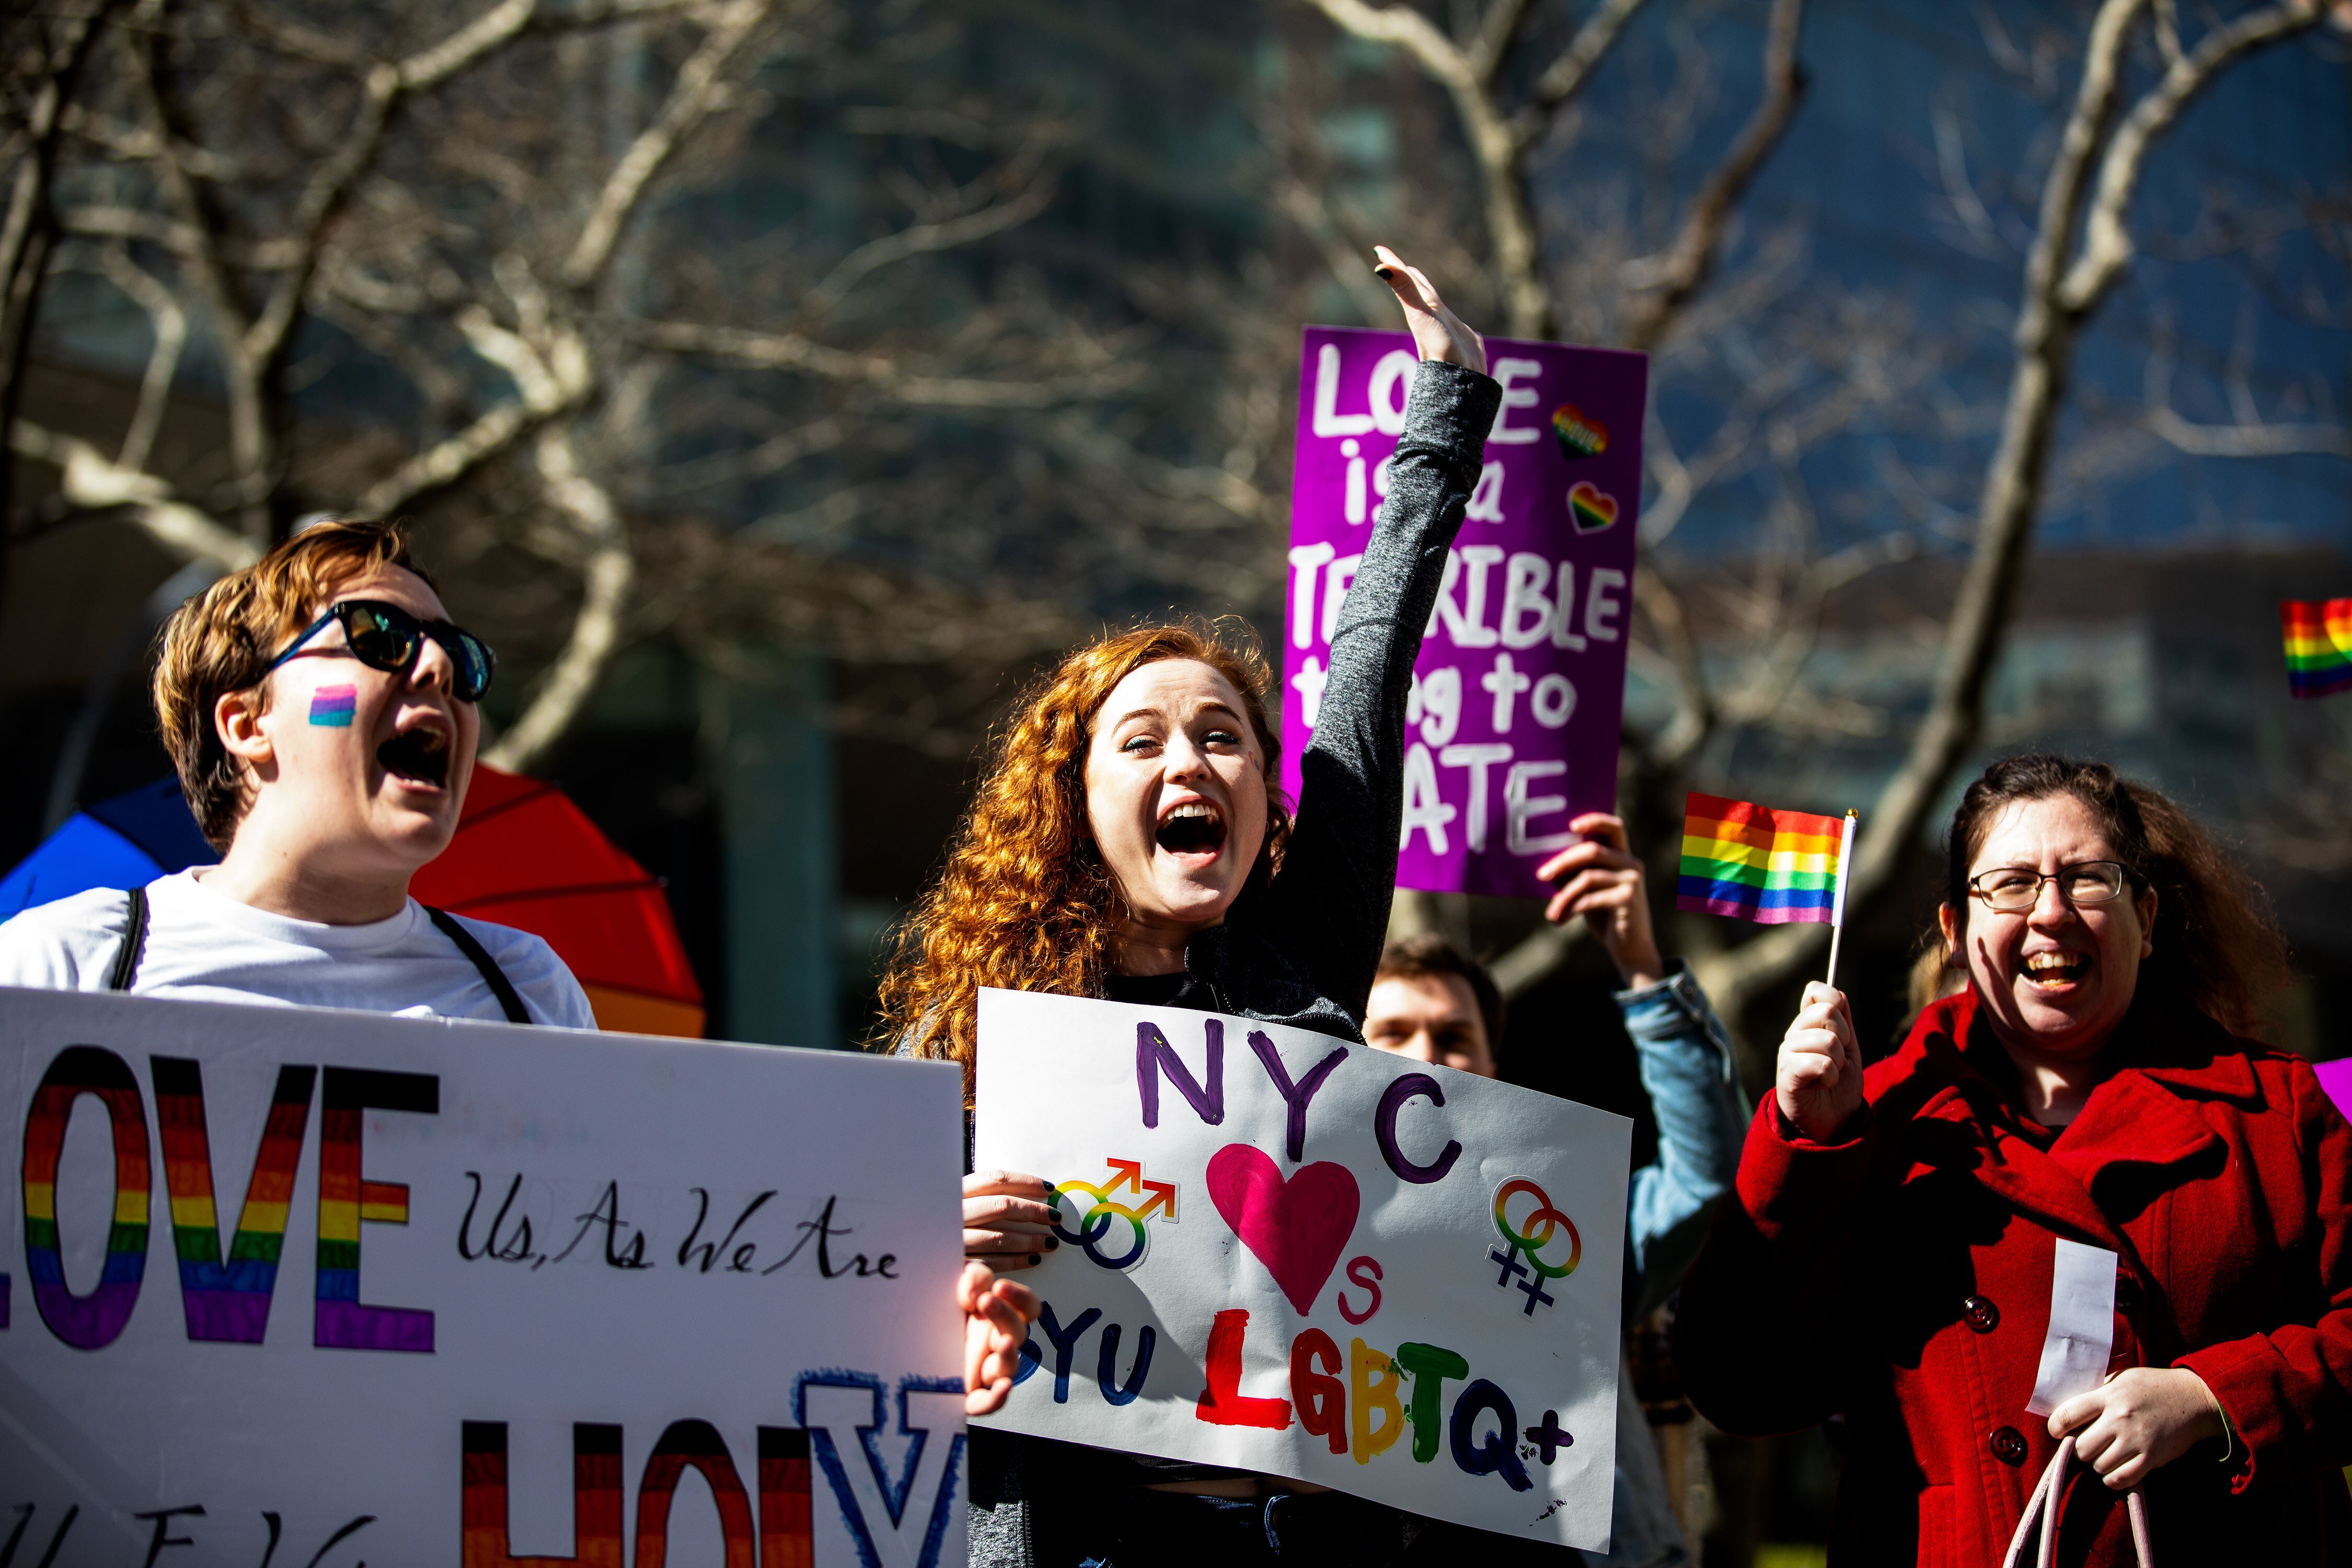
column 1131, row 842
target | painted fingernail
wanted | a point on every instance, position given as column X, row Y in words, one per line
column 1383, row 270
column 1035, row 1257
column 1052, row 1243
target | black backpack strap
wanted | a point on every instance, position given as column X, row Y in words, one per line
column 492, row 975
column 134, row 944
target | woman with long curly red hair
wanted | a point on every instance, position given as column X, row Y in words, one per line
column 1131, row 841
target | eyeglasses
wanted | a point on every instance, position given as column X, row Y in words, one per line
column 2012, row 890
column 385, row 637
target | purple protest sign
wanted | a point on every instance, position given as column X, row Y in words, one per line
column 1520, row 689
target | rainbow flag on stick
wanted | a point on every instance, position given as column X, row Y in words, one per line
column 1770, row 866
column 1775, row 867
column 2318, row 646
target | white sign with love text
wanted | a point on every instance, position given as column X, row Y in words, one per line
column 1286, row 1254
column 288, row 1286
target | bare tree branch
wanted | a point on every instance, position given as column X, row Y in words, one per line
column 698, row 90
column 552, row 383
column 778, row 453
column 94, row 482
column 923, row 238
column 790, row 350
column 186, row 241
column 1695, row 710
column 1566, row 77
column 2107, row 245
column 1668, row 282
column 1496, row 144
column 383, row 86
column 607, row 569
column 26, row 226
column 2265, row 439
column 2060, row 289
column 250, row 448
column 1344, row 258
column 401, row 194
column 170, row 325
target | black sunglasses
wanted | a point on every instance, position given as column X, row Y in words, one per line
column 385, row 637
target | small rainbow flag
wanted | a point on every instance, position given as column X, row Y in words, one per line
column 1775, row 867
column 2318, row 646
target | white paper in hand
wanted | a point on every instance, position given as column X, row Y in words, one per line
column 2081, row 1326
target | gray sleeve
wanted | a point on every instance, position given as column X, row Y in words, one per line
column 1329, row 907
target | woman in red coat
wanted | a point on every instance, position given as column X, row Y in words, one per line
column 2087, row 1117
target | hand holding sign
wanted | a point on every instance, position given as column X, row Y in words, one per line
column 997, row 1315
column 1437, row 331
column 1008, row 1220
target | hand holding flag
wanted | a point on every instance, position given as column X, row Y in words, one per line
column 1817, row 1081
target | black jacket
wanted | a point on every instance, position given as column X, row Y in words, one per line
column 1303, row 948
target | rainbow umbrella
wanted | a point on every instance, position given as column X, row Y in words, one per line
column 523, row 856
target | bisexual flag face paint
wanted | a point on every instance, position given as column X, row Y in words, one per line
column 334, row 706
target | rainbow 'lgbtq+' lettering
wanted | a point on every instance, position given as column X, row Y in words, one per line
column 1775, row 867
column 2318, row 646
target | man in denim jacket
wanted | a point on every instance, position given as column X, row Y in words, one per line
column 1434, row 1004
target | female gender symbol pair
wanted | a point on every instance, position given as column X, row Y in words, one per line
column 1535, row 1271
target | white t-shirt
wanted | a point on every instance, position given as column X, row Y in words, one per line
column 208, row 947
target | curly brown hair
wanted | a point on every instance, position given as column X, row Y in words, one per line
column 2217, row 949
column 223, row 639
column 1024, row 902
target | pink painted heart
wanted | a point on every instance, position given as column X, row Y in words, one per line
column 1298, row 1227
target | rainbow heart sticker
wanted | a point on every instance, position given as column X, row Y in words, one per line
column 1580, row 434
column 1593, row 508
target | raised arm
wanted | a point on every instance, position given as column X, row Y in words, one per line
column 1330, row 903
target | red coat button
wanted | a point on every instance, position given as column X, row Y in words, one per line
column 2009, row 1446
column 1981, row 1314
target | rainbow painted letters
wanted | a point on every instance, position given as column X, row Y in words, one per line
column 467, row 1293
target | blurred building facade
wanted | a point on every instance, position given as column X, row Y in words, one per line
column 790, row 845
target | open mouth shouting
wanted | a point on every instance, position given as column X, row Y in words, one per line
column 1191, row 829
column 2056, row 972
column 418, row 754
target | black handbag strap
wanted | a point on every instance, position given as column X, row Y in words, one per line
column 134, row 944
column 492, row 975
